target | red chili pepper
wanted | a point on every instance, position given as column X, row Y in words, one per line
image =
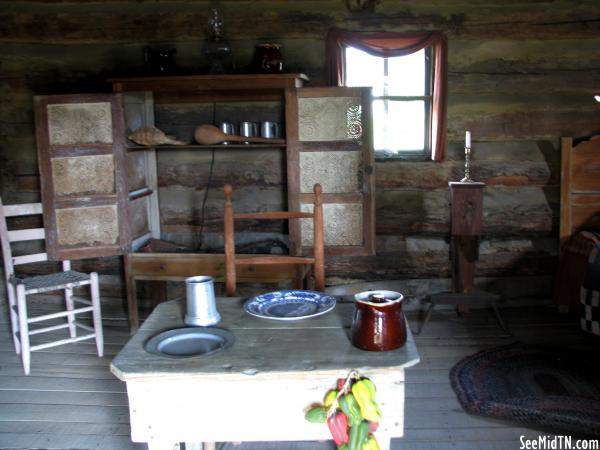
column 338, row 426
column 373, row 426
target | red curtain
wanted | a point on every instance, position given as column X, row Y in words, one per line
column 386, row 44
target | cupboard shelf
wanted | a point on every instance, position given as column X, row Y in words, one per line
column 260, row 83
column 205, row 147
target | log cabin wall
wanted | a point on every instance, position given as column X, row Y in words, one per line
column 521, row 75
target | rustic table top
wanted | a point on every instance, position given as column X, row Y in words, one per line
column 262, row 348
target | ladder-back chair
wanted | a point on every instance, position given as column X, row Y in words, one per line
column 19, row 288
column 316, row 261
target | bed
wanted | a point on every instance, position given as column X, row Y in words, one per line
column 578, row 280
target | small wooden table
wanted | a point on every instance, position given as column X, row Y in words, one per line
column 258, row 389
column 466, row 216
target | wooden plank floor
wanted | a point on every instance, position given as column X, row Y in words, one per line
column 72, row 401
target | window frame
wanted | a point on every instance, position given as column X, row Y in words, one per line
column 384, row 43
column 427, row 98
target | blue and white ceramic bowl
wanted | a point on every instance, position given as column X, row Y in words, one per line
column 289, row 305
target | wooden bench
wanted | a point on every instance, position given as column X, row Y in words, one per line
column 164, row 267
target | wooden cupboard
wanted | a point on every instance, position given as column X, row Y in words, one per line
column 100, row 191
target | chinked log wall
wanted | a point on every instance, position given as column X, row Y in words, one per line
column 521, row 74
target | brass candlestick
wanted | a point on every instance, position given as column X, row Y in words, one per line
column 467, row 178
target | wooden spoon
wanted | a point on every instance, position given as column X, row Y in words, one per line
column 209, row 135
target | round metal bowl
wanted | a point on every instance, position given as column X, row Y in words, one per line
column 188, row 342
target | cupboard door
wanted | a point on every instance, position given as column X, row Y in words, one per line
column 81, row 157
column 142, row 184
column 329, row 141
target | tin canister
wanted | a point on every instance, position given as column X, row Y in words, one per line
column 248, row 129
column 269, row 129
column 227, row 128
column 201, row 306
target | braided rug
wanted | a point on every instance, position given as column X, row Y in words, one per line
column 533, row 385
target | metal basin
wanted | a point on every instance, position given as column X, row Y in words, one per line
column 188, row 342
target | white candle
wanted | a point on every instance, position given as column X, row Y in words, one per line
column 468, row 139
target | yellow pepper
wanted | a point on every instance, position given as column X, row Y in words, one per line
column 370, row 443
column 364, row 393
column 330, row 398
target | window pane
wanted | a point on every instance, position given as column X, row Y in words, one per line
column 406, row 74
column 399, row 125
column 363, row 69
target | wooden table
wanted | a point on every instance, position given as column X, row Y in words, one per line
column 258, row 389
column 466, row 217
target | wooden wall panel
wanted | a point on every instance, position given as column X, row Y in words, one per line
column 521, row 75
column 89, row 22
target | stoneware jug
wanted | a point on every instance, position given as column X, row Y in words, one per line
column 378, row 323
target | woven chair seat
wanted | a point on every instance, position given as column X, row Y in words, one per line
column 18, row 289
column 54, row 281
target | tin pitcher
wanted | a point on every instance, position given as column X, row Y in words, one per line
column 201, row 307
column 378, row 323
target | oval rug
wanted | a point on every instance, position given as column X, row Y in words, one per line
column 533, row 385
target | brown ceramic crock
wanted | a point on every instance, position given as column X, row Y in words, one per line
column 378, row 323
column 268, row 58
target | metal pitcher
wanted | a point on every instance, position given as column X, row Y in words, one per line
column 201, row 306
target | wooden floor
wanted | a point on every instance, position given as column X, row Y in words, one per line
column 72, row 401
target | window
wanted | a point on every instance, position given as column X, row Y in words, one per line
column 408, row 74
column 401, row 98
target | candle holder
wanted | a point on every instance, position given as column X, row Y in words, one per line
column 467, row 178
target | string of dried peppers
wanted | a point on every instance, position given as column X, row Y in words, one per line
column 351, row 413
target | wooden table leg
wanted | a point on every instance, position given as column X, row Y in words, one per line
column 425, row 317
column 200, row 446
column 466, row 299
column 160, row 445
column 465, row 251
column 158, row 292
column 132, row 304
column 301, row 280
column 384, row 441
column 195, row 446
column 499, row 317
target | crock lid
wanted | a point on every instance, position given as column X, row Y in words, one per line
column 389, row 296
column 268, row 45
